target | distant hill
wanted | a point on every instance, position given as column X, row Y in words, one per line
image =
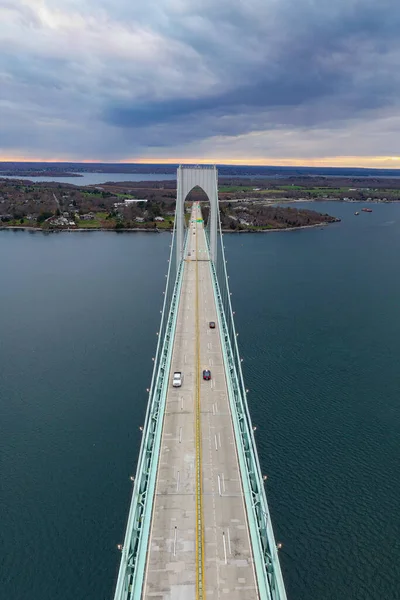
column 43, row 168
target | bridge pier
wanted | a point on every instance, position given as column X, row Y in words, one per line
column 188, row 177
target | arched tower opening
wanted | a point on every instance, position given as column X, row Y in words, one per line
column 197, row 194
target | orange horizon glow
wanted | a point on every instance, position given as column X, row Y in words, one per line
column 330, row 161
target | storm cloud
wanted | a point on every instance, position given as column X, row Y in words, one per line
column 265, row 80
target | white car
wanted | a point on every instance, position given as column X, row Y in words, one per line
column 177, row 380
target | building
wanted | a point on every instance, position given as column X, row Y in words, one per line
column 129, row 201
column 61, row 222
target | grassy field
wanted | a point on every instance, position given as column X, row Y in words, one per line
column 167, row 224
column 291, row 187
column 91, row 193
column 234, row 188
column 98, row 221
column 125, row 196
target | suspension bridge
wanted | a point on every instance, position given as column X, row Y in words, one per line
column 198, row 524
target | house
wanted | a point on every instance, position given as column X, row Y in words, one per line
column 139, row 219
column 159, row 219
column 61, row 222
column 88, row 217
column 129, row 201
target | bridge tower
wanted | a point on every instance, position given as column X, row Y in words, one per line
column 188, row 177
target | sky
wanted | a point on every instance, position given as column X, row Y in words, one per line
column 275, row 82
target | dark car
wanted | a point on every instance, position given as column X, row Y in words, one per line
column 212, row 325
column 207, row 374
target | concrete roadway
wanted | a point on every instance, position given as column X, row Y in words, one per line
column 173, row 568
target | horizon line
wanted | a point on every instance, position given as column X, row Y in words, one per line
column 350, row 162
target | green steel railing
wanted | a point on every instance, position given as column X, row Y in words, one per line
column 268, row 570
column 134, row 549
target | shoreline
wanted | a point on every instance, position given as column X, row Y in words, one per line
column 139, row 230
column 85, row 229
column 324, row 224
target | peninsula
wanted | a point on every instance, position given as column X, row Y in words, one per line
column 144, row 206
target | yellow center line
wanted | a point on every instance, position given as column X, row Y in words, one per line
column 200, row 589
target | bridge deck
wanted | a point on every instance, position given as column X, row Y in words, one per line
column 199, row 501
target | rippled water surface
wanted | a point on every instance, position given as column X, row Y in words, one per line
column 97, row 178
column 318, row 316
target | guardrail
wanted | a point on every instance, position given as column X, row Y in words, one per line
column 134, row 550
column 268, row 570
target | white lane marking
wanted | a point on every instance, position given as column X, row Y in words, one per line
column 175, row 541
column 214, row 409
column 229, row 542
column 177, row 481
column 223, row 539
column 219, row 486
column 180, row 435
column 223, row 482
column 219, row 439
column 185, row 360
column 181, row 402
column 215, row 439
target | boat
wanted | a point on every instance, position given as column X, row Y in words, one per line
column 356, row 213
column 366, row 209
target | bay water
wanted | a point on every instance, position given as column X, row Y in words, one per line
column 317, row 311
column 95, row 178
